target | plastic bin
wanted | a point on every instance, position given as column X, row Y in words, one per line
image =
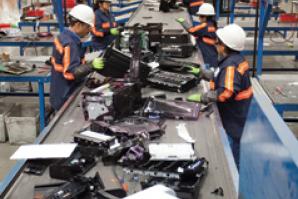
column 4, row 110
column 22, row 123
column 253, row 3
column 35, row 13
column 288, row 18
column 69, row 3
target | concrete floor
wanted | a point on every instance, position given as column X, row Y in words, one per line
column 6, row 150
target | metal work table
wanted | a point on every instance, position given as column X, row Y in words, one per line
column 282, row 90
column 272, row 25
column 52, row 23
column 207, row 132
column 36, row 24
column 41, row 76
column 272, row 49
column 24, row 42
column 243, row 6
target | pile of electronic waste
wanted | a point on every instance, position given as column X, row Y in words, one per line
column 150, row 54
column 130, row 143
column 124, row 126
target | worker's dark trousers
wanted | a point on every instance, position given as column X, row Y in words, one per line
column 235, row 146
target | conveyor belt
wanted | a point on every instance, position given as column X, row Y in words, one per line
column 205, row 131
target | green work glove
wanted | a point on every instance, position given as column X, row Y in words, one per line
column 184, row 23
column 195, row 97
column 14, row 25
column 180, row 20
column 194, row 70
column 114, row 31
column 2, row 68
column 98, row 63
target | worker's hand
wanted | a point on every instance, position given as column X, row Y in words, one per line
column 195, row 98
column 184, row 23
column 114, row 31
column 194, row 70
column 180, row 20
column 98, row 63
column 210, row 96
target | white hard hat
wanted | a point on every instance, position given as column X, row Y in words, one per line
column 83, row 13
column 101, row 1
column 233, row 36
column 206, row 9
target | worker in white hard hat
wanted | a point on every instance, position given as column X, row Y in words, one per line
column 105, row 29
column 69, row 67
column 231, row 88
column 205, row 34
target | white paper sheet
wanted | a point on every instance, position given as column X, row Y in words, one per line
column 183, row 133
column 157, row 191
column 43, row 151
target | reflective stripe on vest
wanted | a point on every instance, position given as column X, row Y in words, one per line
column 197, row 3
column 209, row 41
column 243, row 67
column 105, row 25
column 245, row 94
column 212, row 85
column 57, row 67
column 211, row 29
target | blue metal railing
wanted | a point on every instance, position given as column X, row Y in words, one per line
column 269, row 158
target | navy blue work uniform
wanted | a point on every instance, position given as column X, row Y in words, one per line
column 234, row 92
column 194, row 5
column 68, row 54
column 206, row 40
column 101, row 32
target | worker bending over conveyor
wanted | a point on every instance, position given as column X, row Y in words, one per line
column 205, row 34
column 69, row 67
column 231, row 87
column 105, row 28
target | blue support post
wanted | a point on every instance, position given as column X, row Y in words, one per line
column 266, row 8
column 41, row 104
column 20, row 4
column 232, row 11
column 90, row 2
column 58, row 8
column 21, row 50
column 217, row 10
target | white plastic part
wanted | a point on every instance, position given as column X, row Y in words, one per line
column 171, row 151
column 157, row 191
